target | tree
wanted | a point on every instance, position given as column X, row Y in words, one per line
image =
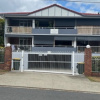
column 1, row 32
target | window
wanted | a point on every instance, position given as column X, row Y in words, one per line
column 63, row 43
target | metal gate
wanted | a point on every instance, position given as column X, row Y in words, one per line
column 50, row 62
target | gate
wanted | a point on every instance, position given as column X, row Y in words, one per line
column 52, row 62
column 67, row 63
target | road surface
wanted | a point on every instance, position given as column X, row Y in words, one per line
column 13, row 93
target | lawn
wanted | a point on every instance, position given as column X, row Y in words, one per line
column 2, row 72
column 94, row 79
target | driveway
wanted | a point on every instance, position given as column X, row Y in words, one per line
column 49, row 81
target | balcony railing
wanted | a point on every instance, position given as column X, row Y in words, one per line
column 88, row 30
column 21, row 47
column 16, row 29
column 82, row 30
column 95, row 49
column 79, row 49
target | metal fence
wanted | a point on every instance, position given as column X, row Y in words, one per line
column 95, row 63
column 2, row 55
column 19, row 48
column 78, row 49
column 95, row 49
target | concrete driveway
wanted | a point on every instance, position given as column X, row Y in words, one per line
column 49, row 81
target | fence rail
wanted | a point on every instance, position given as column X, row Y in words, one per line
column 79, row 49
column 16, row 29
column 95, row 63
column 95, row 49
column 2, row 55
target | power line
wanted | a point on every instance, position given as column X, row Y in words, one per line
column 75, row 1
column 82, row 1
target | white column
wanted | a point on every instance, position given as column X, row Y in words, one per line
column 6, row 24
column 22, row 66
column 74, row 44
column 6, row 40
column 33, row 23
column 32, row 41
column 73, row 60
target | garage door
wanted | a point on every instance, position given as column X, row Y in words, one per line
column 49, row 62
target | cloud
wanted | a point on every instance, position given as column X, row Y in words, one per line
column 22, row 5
column 84, row 7
column 31, row 5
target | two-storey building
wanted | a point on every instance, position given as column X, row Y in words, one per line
column 53, row 28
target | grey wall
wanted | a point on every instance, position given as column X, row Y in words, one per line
column 60, row 31
column 41, row 31
column 67, row 31
column 53, row 49
column 19, row 55
column 78, row 57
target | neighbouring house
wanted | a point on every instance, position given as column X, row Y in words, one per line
column 48, row 35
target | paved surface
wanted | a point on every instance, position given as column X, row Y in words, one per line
column 49, row 81
column 7, row 93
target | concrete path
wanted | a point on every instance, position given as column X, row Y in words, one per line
column 49, row 81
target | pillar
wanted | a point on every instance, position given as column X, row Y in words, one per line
column 33, row 23
column 88, row 61
column 8, row 58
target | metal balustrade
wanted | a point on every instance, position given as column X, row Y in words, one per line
column 95, row 49
column 82, row 30
column 18, row 29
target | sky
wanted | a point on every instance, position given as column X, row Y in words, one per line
column 31, row 5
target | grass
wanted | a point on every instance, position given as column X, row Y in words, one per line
column 3, row 72
column 94, row 79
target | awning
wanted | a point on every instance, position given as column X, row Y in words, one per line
column 16, row 35
column 43, row 40
column 88, row 38
column 65, row 38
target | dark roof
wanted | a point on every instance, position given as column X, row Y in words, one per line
column 26, row 13
column 90, row 13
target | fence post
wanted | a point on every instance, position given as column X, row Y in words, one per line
column 73, row 54
column 22, row 61
column 88, row 61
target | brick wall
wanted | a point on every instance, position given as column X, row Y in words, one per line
column 8, row 58
column 88, row 62
column 97, row 74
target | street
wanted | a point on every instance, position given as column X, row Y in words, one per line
column 13, row 93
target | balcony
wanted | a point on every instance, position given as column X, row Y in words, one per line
column 42, row 48
column 60, row 49
column 54, row 30
column 18, row 30
column 80, row 30
column 88, row 30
